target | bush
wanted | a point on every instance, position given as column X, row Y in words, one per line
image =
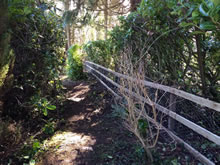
column 37, row 39
column 75, row 63
column 100, row 52
column 176, row 41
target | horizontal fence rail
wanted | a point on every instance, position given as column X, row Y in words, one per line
column 207, row 134
column 196, row 99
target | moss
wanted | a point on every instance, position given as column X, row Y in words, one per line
column 3, row 74
column 6, row 61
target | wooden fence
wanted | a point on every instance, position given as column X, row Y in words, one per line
column 92, row 68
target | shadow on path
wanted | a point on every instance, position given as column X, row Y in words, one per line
column 90, row 135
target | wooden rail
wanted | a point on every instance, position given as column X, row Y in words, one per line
column 196, row 99
column 205, row 133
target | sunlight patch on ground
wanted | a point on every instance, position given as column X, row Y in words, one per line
column 79, row 93
column 65, row 147
column 76, row 99
column 97, row 111
column 76, row 118
column 95, row 124
column 64, row 139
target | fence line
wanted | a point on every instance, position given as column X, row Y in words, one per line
column 207, row 134
column 196, row 99
column 193, row 151
column 200, row 130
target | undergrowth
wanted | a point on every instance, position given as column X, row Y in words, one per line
column 75, row 63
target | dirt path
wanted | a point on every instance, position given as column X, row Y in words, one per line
column 91, row 133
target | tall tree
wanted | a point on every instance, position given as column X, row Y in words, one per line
column 67, row 28
column 106, row 18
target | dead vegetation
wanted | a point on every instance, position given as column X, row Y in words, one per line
column 142, row 117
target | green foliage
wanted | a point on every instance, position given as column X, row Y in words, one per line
column 19, row 10
column 6, row 64
column 142, row 127
column 42, row 44
column 74, row 63
column 37, row 38
column 29, row 150
column 49, row 128
column 202, row 14
column 162, row 36
column 100, row 52
column 42, row 105
column 189, row 63
column 178, row 42
column 32, row 44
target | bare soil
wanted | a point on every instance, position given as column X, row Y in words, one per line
column 90, row 133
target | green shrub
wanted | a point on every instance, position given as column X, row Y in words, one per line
column 49, row 128
column 37, row 40
column 177, row 41
column 75, row 63
column 100, row 52
column 29, row 150
column 42, row 105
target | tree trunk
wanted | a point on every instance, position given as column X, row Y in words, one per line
column 67, row 28
column 201, row 63
column 106, row 19
column 72, row 35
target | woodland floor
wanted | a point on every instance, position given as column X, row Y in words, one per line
column 92, row 134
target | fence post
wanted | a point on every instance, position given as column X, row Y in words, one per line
column 172, row 107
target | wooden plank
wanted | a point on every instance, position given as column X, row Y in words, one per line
column 196, row 99
column 200, row 130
